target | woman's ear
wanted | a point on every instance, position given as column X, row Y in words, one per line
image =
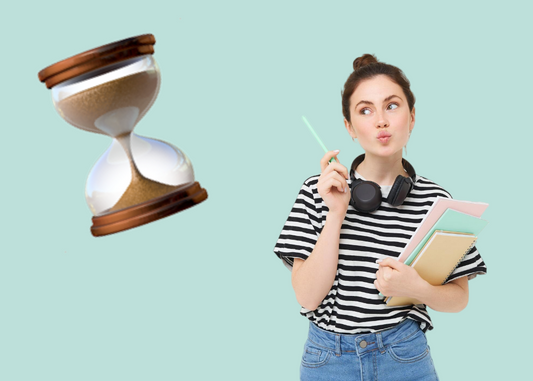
column 412, row 124
column 350, row 129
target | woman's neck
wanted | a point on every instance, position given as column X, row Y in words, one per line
column 381, row 170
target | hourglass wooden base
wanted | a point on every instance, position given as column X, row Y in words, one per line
column 182, row 198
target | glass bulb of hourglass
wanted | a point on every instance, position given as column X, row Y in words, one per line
column 111, row 101
column 107, row 184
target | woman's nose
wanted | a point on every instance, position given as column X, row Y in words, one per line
column 382, row 121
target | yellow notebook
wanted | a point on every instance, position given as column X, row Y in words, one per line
column 441, row 254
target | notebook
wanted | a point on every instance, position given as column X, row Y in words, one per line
column 438, row 258
column 438, row 208
column 451, row 220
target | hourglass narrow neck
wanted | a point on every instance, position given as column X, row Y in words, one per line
column 125, row 142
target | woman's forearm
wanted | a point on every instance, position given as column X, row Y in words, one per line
column 313, row 279
column 450, row 297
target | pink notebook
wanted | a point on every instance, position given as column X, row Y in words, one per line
column 475, row 209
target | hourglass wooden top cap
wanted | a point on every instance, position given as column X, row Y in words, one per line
column 97, row 58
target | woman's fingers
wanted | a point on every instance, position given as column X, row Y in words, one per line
column 339, row 168
column 326, row 158
column 326, row 184
column 332, row 185
column 339, row 180
column 384, row 274
column 330, row 167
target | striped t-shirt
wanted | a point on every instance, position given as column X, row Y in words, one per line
column 353, row 304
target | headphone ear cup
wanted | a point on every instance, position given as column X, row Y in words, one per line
column 399, row 191
column 365, row 196
column 353, row 185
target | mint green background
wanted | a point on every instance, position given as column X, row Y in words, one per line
column 200, row 295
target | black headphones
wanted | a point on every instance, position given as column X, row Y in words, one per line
column 366, row 195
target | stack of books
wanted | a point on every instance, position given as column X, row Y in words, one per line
column 447, row 233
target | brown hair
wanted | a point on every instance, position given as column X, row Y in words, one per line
column 367, row 66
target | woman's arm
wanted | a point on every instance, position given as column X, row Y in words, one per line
column 312, row 279
column 395, row 278
column 450, row 297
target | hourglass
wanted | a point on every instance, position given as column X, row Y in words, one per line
column 107, row 91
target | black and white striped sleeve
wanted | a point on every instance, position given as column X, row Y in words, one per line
column 471, row 265
column 302, row 228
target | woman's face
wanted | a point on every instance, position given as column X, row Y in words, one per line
column 380, row 116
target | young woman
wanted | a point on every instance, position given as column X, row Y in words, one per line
column 346, row 230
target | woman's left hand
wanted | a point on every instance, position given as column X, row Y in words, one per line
column 395, row 278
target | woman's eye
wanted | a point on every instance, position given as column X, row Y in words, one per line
column 392, row 106
column 365, row 111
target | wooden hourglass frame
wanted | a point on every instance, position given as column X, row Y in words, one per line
column 108, row 90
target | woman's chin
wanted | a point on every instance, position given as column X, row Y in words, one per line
column 384, row 151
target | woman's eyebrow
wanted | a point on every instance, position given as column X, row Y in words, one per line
column 384, row 100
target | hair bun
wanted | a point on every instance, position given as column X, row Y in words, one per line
column 365, row 59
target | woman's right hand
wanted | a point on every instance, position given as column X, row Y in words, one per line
column 332, row 185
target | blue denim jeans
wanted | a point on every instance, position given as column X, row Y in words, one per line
column 399, row 353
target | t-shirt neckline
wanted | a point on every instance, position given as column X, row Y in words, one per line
column 384, row 188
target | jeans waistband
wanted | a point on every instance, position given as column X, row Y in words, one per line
column 363, row 342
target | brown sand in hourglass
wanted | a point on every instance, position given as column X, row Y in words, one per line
column 140, row 189
column 82, row 110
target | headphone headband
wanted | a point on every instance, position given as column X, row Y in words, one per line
column 366, row 195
